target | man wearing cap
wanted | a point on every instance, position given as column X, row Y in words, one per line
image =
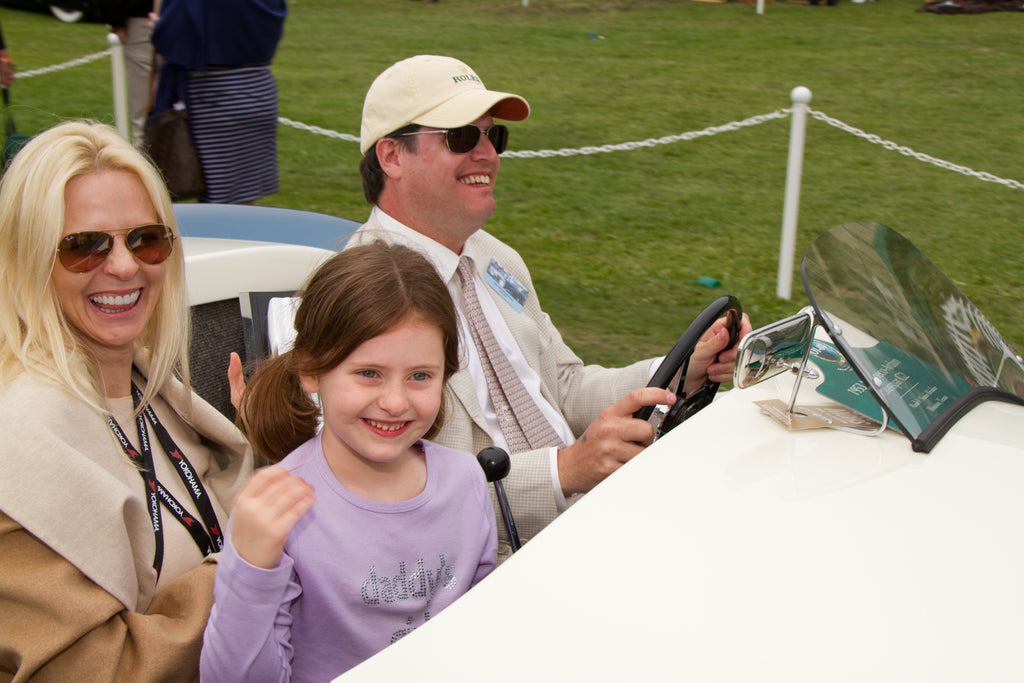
column 431, row 154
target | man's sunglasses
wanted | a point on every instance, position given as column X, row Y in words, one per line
column 464, row 139
column 80, row 252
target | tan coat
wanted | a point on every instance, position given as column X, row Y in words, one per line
column 78, row 595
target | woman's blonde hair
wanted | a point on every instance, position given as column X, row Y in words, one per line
column 34, row 333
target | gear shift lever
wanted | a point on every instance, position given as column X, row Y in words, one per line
column 497, row 464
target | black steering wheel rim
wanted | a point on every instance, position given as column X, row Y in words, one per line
column 672, row 371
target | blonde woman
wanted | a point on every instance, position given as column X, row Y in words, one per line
column 116, row 477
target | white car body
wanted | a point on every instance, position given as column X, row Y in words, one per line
column 219, row 269
column 735, row 550
column 233, row 249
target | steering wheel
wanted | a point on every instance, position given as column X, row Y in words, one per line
column 671, row 374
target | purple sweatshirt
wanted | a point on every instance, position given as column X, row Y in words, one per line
column 356, row 574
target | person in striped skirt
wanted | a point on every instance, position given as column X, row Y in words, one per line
column 217, row 65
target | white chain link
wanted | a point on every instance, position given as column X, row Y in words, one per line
column 317, row 130
column 62, row 67
column 565, row 152
column 650, row 142
column 906, row 151
column 625, row 146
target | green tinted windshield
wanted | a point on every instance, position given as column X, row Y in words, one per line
column 918, row 344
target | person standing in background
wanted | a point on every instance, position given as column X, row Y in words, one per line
column 6, row 64
column 217, row 59
column 131, row 23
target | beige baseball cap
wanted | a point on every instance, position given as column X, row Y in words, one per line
column 435, row 91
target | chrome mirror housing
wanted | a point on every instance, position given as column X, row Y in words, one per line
column 776, row 348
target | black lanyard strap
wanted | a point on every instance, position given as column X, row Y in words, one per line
column 189, row 477
column 208, row 539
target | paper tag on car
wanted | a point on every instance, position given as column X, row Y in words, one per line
column 814, row 416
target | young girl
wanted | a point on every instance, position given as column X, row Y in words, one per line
column 365, row 530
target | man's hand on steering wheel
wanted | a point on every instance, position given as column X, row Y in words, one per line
column 695, row 385
column 713, row 359
column 610, row 441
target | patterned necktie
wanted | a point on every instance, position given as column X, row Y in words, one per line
column 521, row 421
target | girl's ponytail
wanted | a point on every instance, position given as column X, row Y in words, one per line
column 276, row 413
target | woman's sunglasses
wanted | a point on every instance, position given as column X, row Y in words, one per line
column 80, row 252
column 464, row 139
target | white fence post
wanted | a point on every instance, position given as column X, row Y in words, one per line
column 120, row 85
column 801, row 96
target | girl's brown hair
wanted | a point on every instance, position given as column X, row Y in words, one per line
column 360, row 293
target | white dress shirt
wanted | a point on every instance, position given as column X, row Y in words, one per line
column 446, row 262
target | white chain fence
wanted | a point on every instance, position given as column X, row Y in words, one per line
column 317, row 130
column 706, row 132
column 906, row 151
column 627, row 146
column 62, row 67
column 650, row 142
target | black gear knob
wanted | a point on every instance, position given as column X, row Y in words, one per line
column 495, row 462
column 496, row 465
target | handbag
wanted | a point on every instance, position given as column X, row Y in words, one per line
column 170, row 147
column 13, row 140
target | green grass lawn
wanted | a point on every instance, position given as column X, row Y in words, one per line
column 616, row 240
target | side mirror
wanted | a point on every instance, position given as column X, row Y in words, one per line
column 774, row 349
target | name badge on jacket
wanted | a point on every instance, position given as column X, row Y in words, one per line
column 505, row 284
